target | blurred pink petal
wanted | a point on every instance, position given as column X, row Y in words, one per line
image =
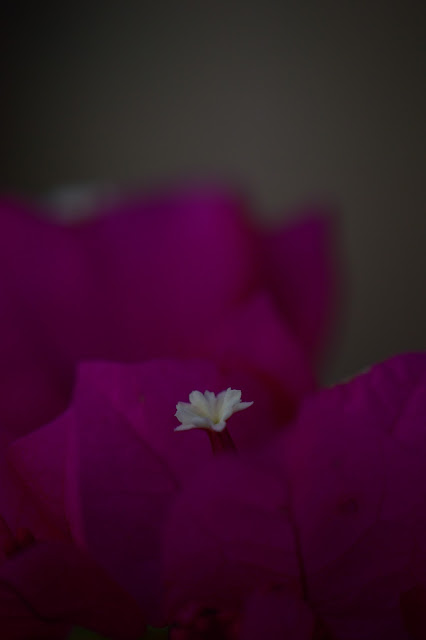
column 254, row 338
column 35, row 379
column 355, row 460
column 145, row 278
column 332, row 513
column 300, row 267
column 276, row 615
column 169, row 267
column 18, row 509
column 239, row 538
column 47, row 588
column 128, row 463
column 39, row 460
column 119, row 491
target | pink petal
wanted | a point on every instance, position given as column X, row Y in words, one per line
column 47, row 588
column 114, row 286
column 170, row 268
column 276, row 615
column 35, row 381
column 54, row 281
column 18, row 508
column 43, row 286
column 125, row 462
column 359, row 594
column 40, row 460
column 147, row 395
column 341, row 463
column 227, row 534
column 150, row 277
column 301, row 272
column 254, row 338
column 355, row 463
column 119, row 490
column 128, row 463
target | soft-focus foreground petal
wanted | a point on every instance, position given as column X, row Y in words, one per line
column 332, row 512
column 228, row 533
column 39, row 460
column 300, row 270
column 128, row 462
column 49, row 587
column 276, row 615
column 19, row 512
column 118, row 495
column 355, row 463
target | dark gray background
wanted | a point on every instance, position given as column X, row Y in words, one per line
column 295, row 101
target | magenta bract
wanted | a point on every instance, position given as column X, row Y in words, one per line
column 166, row 276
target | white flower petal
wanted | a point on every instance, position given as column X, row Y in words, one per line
column 208, row 411
column 199, row 402
column 241, row 406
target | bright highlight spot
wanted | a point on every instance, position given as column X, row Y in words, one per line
column 208, row 410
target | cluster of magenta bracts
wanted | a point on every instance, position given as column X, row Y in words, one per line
column 303, row 518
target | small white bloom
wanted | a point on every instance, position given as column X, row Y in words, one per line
column 208, row 411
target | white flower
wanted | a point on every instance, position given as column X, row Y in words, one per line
column 208, row 411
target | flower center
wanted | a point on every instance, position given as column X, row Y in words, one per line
column 210, row 411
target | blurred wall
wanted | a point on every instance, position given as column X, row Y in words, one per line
column 296, row 101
